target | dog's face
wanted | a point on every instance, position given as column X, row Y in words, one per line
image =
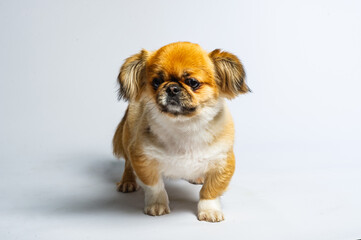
column 181, row 78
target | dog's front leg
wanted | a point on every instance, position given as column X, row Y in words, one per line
column 148, row 177
column 156, row 199
column 216, row 182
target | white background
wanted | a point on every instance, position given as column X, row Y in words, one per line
column 298, row 135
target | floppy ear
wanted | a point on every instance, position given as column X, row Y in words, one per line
column 131, row 77
column 230, row 75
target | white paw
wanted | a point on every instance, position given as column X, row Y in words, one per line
column 210, row 216
column 157, row 209
column 156, row 199
column 210, row 210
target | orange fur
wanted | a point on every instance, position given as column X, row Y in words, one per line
column 131, row 76
column 217, row 180
column 118, row 150
column 230, row 74
column 145, row 168
column 183, row 60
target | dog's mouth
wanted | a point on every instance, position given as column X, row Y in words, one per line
column 175, row 107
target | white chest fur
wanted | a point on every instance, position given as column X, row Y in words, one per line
column 186, row 148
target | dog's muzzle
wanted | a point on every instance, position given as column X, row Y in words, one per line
column 173, row 91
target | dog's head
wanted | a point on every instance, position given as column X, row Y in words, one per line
column 181, row 78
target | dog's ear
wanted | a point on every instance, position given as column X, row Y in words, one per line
column 229, row 73
column 131, row 77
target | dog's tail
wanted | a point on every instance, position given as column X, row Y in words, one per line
column 118, row 149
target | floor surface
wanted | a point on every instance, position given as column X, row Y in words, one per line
column 73, row 196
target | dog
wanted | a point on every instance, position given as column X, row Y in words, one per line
column 177, row 124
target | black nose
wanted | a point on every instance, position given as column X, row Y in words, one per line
column 173, row 90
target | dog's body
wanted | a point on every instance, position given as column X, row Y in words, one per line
column 177, row 124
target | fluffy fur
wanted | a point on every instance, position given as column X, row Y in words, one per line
column 177, row 124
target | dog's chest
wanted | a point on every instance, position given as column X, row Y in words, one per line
column 184, row 155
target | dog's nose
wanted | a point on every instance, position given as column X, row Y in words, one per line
column 173, row 90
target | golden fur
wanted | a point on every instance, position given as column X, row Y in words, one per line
column 219, row 75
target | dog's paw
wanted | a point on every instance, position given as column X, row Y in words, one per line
column 127, row 187
column 210, row 210
column 157, row 209
column 197, row 181
column 210, row 216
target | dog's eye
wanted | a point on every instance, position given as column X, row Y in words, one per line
column 156, row 82
column 193, row 83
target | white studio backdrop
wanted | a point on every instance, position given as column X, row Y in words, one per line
column 298, row 135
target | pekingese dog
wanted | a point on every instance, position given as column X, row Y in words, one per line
column 177, row 124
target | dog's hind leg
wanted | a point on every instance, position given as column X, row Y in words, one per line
column 128, row 182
